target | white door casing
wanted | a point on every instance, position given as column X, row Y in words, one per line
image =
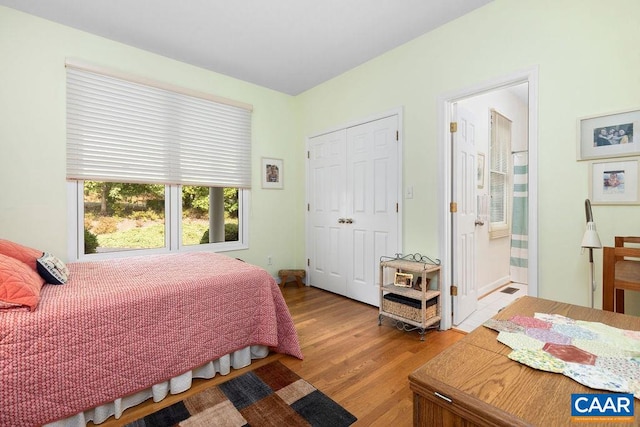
column 463, row 219
column 353, row 212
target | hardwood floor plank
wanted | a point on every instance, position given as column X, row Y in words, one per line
column 347, row 356
column 361, row 365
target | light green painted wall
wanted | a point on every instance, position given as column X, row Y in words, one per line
column 588, row 58
column 587, row 55
column 33, row 207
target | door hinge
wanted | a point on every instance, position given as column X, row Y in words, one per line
column 308, row 154
column 397, row 208
column 397, row 135
column 454, row 291
column 308, row 207
column 453, row 127
column 453, row 207
column 308, row 262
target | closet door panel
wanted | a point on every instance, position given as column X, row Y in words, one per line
column 372, row 197
column 353, row 207
column 327, row 260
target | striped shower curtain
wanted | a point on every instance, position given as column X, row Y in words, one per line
column 519, row 219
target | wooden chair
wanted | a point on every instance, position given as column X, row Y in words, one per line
column 619, row 273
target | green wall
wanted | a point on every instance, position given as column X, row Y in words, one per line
column 33, row 197
column 587, row 56
column 588, row 60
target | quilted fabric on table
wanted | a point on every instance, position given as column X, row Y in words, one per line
column 594, row 354
column 119, row 326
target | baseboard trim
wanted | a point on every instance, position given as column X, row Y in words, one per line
column 487, row 289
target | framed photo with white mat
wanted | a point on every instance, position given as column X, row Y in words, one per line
column 614, row 182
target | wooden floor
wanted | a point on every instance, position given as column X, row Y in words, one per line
column 357, row 363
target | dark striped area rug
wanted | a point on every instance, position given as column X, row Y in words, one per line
column 271, row 395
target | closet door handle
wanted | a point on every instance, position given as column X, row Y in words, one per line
column 349, row 220
column 341, row 220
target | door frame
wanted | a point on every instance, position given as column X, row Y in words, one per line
column 400, row 182
column 445, row 183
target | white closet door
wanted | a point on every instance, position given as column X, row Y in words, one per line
column 353, row 207
column 372, row 204
column 327, row 199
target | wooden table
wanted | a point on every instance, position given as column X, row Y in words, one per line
column 474, row 383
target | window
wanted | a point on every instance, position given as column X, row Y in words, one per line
column 209, row 215
column 500, row 149
column 152, row 169
column 121, row 217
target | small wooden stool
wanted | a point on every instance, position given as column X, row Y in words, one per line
column 298, row 275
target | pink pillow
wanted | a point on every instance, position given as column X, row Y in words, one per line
column 19, row 284
column 19, row 252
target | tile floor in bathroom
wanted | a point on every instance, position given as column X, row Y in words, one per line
column 489, row 305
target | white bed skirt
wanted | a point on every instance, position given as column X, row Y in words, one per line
column 238, row 359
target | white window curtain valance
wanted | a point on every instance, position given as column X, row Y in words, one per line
column 125, row 131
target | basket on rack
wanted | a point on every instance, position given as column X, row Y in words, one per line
column 408, row 308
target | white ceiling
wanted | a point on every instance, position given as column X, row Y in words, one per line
column 286, row 45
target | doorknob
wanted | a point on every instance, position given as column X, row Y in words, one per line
column 349, row 220
column 341, row 220
column 479, row 222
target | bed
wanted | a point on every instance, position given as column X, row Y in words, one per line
column 122, row 331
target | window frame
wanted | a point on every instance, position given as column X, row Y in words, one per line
column 173, row 227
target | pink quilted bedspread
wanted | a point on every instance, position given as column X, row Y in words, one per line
column 120, row 326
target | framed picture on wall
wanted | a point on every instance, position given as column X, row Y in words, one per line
column 614, row 182
column 272, row 173
column 480, row 175
column 612, row 135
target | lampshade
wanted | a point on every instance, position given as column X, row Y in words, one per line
column 590, row 238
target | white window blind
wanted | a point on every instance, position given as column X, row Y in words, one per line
column 500, row 151
column 124, row 131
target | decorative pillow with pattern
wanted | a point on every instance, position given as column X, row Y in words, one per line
column 52, row 269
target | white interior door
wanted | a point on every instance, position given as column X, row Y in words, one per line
column 353, row 216
column 372, row 204
column 464, row 218
column 327, row 200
